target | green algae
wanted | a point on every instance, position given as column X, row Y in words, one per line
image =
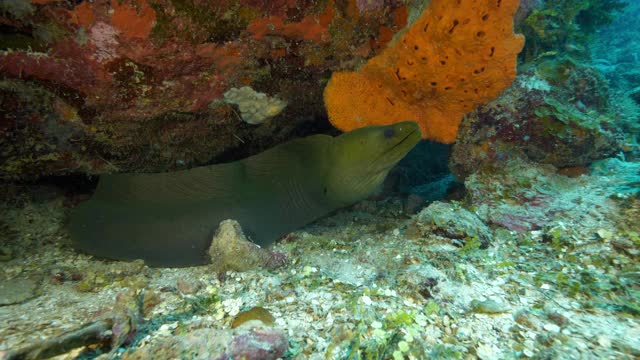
column 587, row 276
column 393, row 337
column 17, row 9
column 206, row 303
column 568, row 115
column 470, row 246
column 556, row 70
column 566, row 26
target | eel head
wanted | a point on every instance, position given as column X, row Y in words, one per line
column 362, row 158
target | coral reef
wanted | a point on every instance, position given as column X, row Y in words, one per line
column 524, row 196
column 138, row 76
column 48, row 130
column 537, row 258
column 567, row 125
column 566, row 25
column 451, row 221
column 634, row 94
column 465, row 60
column 616, row 53
column 561, row 110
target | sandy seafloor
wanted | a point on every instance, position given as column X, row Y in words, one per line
column 365, row 282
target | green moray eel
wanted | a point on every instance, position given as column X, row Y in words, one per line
column 168, row 219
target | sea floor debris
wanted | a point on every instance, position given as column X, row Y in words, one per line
column 363, row 283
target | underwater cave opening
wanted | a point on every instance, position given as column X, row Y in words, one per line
column 423, row 174
column 48, row 187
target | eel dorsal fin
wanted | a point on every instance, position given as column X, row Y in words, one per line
column 194, row 185
column 215, row 182
column 306, row 154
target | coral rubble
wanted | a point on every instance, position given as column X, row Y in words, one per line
column 252, row 341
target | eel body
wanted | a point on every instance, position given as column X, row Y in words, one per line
column 168, row 219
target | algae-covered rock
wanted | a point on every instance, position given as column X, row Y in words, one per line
column 17, row 290
column 231, row 250
column 131, row 274
column 625, row 175
column 131, row 83
column 523, row 196
column 535, row 120
column 452, row 221
column 565, row 25
column 255, row 107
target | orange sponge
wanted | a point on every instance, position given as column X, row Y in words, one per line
column 457, row 55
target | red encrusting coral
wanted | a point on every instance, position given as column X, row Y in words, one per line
column 67, row 65
column 277, row 8
column 313, row 27
column 309, row 29
column 133, row 20
column 82, row 15
column 122, row 65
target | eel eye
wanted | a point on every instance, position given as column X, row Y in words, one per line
column 389, row 133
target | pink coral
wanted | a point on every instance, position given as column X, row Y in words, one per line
column 104, row 37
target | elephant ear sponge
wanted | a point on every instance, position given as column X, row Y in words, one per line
column 457, row 55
